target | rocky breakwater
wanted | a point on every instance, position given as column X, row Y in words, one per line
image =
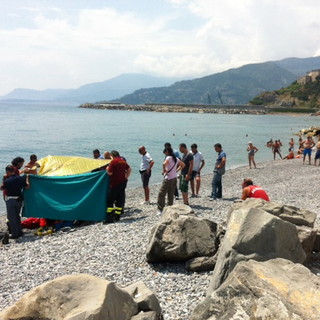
column 259, row 272
column 178, row 108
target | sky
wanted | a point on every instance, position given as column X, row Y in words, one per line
column 68, row 43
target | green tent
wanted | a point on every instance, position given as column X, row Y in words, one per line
column 74, row 197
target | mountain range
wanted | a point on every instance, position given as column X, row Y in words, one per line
column 234, row 86
column 92, row 92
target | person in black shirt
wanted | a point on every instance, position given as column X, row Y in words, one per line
column 186, row 172
column 13, row 186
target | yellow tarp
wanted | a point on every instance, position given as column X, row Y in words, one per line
column 66, row 166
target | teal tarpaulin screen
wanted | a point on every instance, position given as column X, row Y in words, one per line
column 77, row 197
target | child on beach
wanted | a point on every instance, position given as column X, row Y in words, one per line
column 251, row 152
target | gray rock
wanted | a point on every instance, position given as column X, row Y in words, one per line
column 180, row 237
column 307, row 237
column 255, row 234
column 201, row 264
column 74, row 297
column 150, row 315
column 274, row 289
column 316, row 246
column 299, row 217
column 144, row 297
column 173, row 212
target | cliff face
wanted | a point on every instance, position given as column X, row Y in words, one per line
column 297, row 95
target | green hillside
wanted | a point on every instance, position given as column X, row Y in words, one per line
column 235, row 86
column 294, row 96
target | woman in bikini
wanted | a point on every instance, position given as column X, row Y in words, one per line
column 251, row 151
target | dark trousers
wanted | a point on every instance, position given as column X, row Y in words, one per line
column 216, row 185
column 117, row 195
column 13, row 215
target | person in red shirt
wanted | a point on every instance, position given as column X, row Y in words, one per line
column 253, row 191
column 119, row 172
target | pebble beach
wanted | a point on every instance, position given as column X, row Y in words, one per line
column 117, row 252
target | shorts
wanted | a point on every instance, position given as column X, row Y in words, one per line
column 195, row 174
column 317, row 156
column 183, row 184
column 145, row 177
column 307, row 152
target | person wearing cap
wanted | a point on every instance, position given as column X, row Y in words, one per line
column 251, row 152
column 249, row 190
column 13, row 186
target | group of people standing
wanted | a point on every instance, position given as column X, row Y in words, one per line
column 181, row 170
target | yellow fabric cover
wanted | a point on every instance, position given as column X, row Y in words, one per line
column 66, row 166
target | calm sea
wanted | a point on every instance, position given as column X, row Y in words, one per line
column 56, row 129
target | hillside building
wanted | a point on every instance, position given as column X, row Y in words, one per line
column 310, row 77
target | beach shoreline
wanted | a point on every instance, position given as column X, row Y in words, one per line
column 116, row 252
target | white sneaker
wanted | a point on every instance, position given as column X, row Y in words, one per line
column 159, row 212
column 145, row 202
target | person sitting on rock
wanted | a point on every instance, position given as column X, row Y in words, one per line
column 249, row 190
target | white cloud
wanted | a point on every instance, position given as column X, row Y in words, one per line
column 55, row 47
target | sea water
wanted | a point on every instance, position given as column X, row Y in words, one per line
column 60, row 129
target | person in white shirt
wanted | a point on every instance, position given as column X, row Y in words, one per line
column 198, row 164
column 145, row 171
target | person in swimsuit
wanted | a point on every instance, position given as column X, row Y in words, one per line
column 276, row 149
column 308, row 145
column 251, row 151
column 291, row 145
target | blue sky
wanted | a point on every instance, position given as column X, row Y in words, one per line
column 65, row 44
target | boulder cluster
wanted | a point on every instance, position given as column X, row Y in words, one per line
column 257, row 263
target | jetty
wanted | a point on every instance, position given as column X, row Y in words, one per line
column 179, row 108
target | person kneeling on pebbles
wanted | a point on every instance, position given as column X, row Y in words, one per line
column 249, row 190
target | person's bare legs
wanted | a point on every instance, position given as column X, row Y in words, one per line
column 198, row 183
column 185, row 198
column 146, row 193
column 192, row 186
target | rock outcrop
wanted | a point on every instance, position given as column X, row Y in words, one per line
column 274, row 289
column 297, row 216
column 255, row 234
column 82, row 297
column 180, row 236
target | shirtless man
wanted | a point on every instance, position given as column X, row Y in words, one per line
column 317, row 156
column 276, row 149
column 307, row 144
column 32, row 166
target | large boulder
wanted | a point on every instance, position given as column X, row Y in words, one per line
column 274, row 289
column 74, row 297
column 299, row 217
column 255, row 234
column 181, row 236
